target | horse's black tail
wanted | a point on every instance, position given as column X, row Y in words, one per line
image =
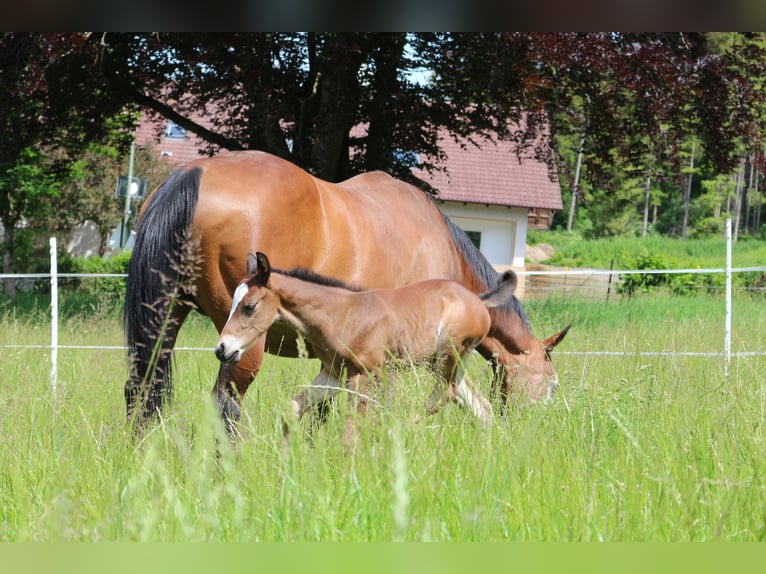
column 152, row 297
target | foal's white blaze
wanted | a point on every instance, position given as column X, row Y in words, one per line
column 239, row 294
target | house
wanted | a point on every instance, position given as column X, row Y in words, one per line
column 495, row 197
column 174, row 144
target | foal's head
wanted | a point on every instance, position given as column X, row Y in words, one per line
column 253, row 310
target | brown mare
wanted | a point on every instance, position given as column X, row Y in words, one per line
column 358, row 334
column 371, row 230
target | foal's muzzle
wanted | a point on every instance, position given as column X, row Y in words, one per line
column 226, row 355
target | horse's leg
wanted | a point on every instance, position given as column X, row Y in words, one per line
column 391, row 379
column 149, row 384
column 232, row 383
column 501, row 381
column 318, row 417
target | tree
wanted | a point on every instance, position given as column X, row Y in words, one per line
column 305, row 95
column 53, row 105
column 89, row 191
column 629, row 92
column 341, row 103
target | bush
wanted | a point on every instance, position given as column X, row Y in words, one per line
column 644, row 282
column 695, row 283
column 106, row 287
column 754, row 282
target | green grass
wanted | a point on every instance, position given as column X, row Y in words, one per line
column 573, row 251
column 634, row 448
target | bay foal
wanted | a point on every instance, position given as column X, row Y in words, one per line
column 354, row 333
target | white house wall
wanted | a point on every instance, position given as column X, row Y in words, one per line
column 503, row 230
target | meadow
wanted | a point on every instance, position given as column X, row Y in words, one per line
column 622, row 251
column 632, row 448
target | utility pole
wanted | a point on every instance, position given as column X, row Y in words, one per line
column 126, row 213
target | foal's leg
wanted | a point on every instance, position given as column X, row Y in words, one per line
column 460, row 389
column 470, row 398
column 358, row 387
column 321, row 389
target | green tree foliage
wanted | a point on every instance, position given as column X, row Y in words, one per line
column 303, row 95
column 54, row 104
column 341, row 103
column 89, row 191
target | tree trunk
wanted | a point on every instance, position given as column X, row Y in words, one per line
column 758, row 206
column 728, row 195
column 738, row 197
column 687, row 194
column 380, row 134
column 749, row 194
column 9, row 284
column 338, row 92
column 576, row 184
column 647, row 196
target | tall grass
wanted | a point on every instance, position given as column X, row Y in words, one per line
column 633, row 448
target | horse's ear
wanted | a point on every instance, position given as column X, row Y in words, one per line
column 252, row 263
column 554, row 340
column 509, row 278
column 263, row 265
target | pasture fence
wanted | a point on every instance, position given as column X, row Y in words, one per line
column 538, row 283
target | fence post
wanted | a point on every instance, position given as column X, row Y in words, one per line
column 727, row 334
column 609, row 284
column 54, row 315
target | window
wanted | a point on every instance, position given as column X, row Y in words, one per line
column 408, row 158
column 174, row 131
column 475, row 237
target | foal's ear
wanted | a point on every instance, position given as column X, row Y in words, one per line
column 252, row 263
column 263, row 265
column 259, row 264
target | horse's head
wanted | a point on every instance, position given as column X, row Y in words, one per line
column 535, row 376
column 253, row 310
column 529, row 372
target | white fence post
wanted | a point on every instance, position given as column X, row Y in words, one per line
column 727, row 332
column 54, row 315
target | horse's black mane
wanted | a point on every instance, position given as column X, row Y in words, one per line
column 312, row 277
column 483, row 268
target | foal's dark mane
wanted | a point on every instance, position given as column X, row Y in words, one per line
column 312, row 277
column 486, row 274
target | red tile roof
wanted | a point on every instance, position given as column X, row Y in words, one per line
column 176, row 150
column 489, row 175
column 493, row 175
